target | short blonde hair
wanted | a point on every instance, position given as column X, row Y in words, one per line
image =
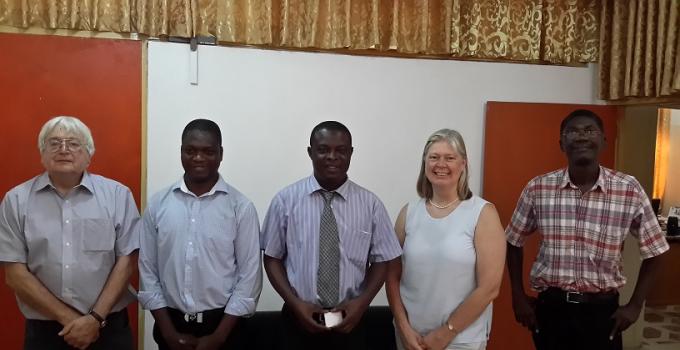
column 453, row 137
column 72, row 125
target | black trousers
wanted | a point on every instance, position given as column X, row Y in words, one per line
column 211, row 319
column 42, row 335
column 294, row 337
column 568, row 326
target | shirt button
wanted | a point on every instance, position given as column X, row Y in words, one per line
column 66, row 266
column 193, row 220
column 190, row 243
column 67, row 221
column 68, row 244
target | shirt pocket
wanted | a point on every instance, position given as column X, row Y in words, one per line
column 356, row 245
column 603, row 244
column 98, row 235
column 220, row 237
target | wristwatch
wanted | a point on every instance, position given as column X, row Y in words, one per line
column 99, row 318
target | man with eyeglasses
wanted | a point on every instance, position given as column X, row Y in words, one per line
column 66, row 242
column 584, row 213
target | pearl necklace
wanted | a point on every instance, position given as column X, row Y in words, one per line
column 443, row 206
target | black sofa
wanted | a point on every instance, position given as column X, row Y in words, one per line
column 262, row 329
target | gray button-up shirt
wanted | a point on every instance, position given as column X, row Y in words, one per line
column 291, row 232
column 69, row 243
column 200, row 253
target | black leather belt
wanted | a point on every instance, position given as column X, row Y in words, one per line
column 559, row 295
column 198, row 317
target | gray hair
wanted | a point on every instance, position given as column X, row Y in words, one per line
column 453, row 138
column 72, row 125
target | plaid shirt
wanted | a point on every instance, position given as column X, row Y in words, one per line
column 583, row 234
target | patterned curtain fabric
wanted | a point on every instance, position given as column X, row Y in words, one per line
column 89, row 15
column 639, row 50
column 553, row 31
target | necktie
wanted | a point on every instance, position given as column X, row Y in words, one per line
column 328, row 274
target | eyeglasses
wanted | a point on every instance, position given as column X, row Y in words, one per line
column 589, row 133
column 71, row 145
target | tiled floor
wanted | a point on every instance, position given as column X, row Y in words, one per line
column 661, row 330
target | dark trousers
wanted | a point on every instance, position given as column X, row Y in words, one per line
column 568, row 326
column 42, row 335
column 211, row 319
column 294, row 337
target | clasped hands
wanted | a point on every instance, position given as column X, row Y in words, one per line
column 352, row 311
column 437, row 339
column 81, row 331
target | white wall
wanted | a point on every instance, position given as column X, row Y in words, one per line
column 671, row 197
column 267, row 102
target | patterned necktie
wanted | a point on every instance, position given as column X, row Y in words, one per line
column 328, row 274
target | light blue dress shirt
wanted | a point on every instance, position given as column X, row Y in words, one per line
column 200, row 253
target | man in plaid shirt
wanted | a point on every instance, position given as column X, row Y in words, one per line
column 584, row 213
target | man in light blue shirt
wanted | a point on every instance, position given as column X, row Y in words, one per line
column 199, row 258
column 295, row 253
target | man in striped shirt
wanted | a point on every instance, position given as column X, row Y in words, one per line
column 584, row 213
column 291, row 240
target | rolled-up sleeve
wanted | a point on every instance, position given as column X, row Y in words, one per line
column 246, row 291
column 151, row 291
column 127, row 220
column 273, row 237
column 12, row 240
column 384, row 243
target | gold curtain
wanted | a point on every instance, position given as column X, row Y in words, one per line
column 88, row 15
column 554, row 31
column 640, row 50
column 663, row 143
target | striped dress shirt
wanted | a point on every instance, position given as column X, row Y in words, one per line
column 291, row 232
column 200, row 253
column 583, row 234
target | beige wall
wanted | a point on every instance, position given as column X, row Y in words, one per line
column 635, row 149
column 636, row 144
column 672, row 193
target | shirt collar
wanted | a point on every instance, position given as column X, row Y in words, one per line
column 220, row 186
column 44, row 181
column 600, row 183
column 314, row 186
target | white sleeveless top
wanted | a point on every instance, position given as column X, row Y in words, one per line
column 438, row 270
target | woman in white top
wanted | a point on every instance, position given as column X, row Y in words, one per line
column 441, row 289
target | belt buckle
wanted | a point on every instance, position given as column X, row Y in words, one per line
column 197, row 317
column 572, row 301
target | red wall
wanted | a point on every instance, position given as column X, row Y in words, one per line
column 522, row 141
column 96, row 80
